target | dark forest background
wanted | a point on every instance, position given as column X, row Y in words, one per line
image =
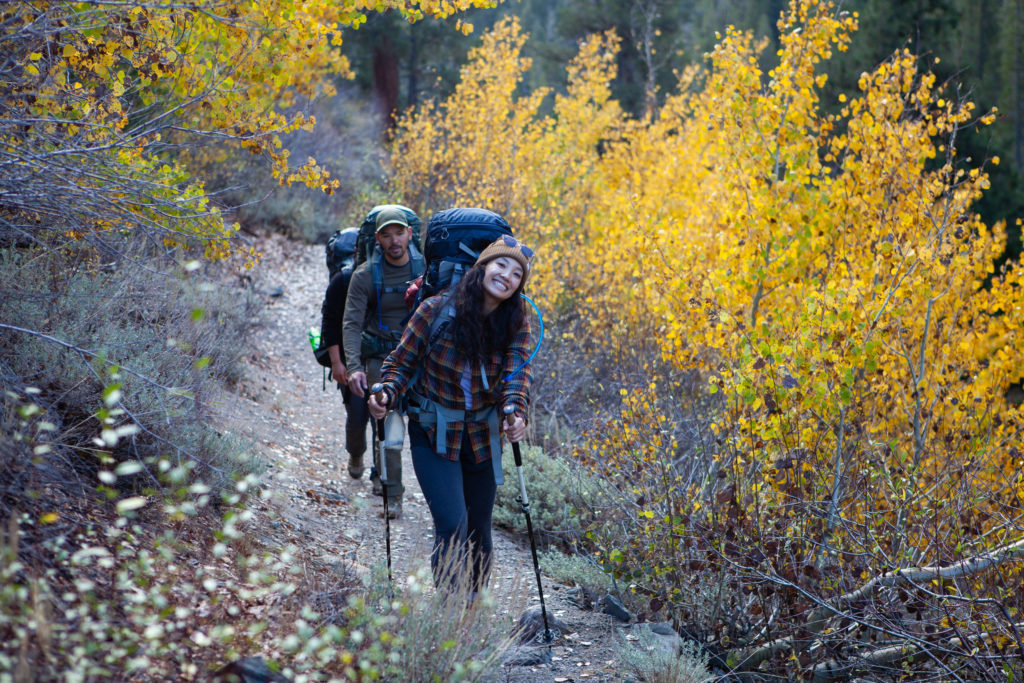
column 973, row 44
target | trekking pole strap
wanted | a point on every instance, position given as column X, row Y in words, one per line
column 523, row 499
column 382, row 466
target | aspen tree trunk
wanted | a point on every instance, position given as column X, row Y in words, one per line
column 385, row 80
column 1018, row 98
column 413, row 85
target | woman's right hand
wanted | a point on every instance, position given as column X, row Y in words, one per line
column 378, row 405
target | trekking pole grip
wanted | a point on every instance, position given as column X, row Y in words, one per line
column 374, row 390
column 509, row 411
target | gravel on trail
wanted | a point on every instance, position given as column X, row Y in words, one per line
column 297, row 427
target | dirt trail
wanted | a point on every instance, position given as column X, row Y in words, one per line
column 299, row 428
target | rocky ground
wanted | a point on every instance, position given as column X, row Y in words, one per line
column 298, row 427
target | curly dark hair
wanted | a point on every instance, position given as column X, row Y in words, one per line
column 477, row 335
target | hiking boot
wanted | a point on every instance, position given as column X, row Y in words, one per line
column 394, row 508
column 378, row 490
column 355, row 466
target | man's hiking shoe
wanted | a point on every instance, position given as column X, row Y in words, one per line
column 394, row 508
column 378, row 490
column 355, row 466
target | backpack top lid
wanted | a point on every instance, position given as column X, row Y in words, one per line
column 341, row 250
column 455, row 238
column 462, row 233
column 346, row 241
column 468, row 217
column 366, row 241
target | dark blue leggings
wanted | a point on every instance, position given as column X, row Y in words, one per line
column 460, row 496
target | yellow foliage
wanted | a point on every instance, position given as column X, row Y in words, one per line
column 98, row 83
column 825, row 274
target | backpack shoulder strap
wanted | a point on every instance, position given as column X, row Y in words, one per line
column 419, row 264
column 442, row 322
column 440, row 325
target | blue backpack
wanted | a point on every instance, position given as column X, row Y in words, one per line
column 455, row 238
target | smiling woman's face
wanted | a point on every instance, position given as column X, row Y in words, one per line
column 501, row 280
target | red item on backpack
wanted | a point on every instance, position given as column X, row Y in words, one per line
column 412, row 291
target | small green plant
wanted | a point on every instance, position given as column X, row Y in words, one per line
column 577, row 570
column 115, row 600
column 410, row 632
column 652, row 661
column 557, row 491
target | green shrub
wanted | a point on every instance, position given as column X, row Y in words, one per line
column 577, row 570
column 109, row 371
column 117, row 600
column 651, row 662
column 134, row 347
column 557, row 491
column 408, row 632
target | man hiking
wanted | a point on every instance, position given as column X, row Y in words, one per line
column 374, row 313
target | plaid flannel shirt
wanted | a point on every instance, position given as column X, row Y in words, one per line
column 444, row 369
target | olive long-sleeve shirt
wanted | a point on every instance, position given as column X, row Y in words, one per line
column 363, row 313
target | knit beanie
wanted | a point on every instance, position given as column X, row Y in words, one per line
column 508, row 246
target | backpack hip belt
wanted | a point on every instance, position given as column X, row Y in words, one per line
column 374, row 346
column 428, row 413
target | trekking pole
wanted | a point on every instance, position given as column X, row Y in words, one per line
column 382, row 470
column 524, row 501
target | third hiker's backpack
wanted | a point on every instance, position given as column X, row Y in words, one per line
column 455, row 237
column 340, row 250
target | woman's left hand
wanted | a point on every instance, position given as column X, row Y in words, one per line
column 516, row 429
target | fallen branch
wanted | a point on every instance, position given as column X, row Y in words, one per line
column 959, row 569
column 828, row 609
column 884, row 658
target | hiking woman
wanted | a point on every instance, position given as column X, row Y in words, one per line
column 463, row 373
